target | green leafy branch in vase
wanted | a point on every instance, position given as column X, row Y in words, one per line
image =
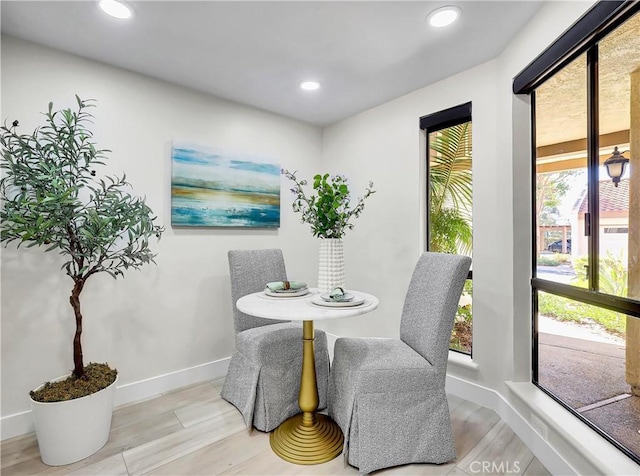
column 329, row 211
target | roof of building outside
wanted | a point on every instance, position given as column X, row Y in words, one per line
column 612, row 198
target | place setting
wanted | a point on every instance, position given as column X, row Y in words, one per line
column 286, row 289
column 337, row 298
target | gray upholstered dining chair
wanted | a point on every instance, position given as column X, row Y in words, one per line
column 388, row 395
column 263, row 379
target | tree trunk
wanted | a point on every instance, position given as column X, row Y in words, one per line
column 78, row 364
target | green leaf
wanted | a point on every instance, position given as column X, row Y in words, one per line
column 43, row 174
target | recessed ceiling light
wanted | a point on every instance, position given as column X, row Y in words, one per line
column 309, row 85
column 115, row 9
column 444, row 16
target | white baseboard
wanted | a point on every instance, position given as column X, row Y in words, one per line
column 16, row 425
column 491, row 399
column 22, row 423
column 569, row 448
column 142, row 389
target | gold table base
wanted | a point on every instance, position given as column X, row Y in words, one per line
column 307, row 438
column 299, row 443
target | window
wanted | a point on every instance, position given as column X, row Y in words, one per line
column 586, row 274
column 449, row 201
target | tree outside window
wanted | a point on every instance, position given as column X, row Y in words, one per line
column 450, row 194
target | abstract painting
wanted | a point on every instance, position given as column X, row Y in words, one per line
column 213, row 187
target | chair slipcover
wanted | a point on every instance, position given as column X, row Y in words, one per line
column 388, row 395
column 263, row 380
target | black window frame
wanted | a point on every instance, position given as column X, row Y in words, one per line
column 435, row 122
column 601, row 20
column 582, row 37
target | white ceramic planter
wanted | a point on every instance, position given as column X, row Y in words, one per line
column 75, row 429
column 331, row 264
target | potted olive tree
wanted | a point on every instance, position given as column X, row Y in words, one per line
column 52, row 196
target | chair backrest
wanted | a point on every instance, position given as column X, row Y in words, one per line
column 431, row 304
column 250, row 271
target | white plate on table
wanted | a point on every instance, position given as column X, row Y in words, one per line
column 346, row 297
column 287, row 293
column 318, row 301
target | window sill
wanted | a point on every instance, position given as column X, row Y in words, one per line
column 462, row 360
column 565, row 427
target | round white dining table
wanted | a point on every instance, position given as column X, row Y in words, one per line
column 309, row 437
column 302, row 308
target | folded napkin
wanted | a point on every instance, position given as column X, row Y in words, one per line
column 337, row 294
column 286, row 285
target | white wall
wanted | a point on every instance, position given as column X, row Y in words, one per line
column 177, row 314
column 164, row 318
column 385, row 144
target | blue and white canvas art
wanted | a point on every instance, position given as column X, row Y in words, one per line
column 214, row 187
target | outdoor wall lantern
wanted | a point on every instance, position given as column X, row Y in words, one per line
column 615, row 165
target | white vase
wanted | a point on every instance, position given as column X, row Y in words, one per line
column 331, row 264
column 74, row 429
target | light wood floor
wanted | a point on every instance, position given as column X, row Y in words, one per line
column 192, row 431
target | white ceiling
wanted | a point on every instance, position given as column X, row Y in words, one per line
column 256, row 52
